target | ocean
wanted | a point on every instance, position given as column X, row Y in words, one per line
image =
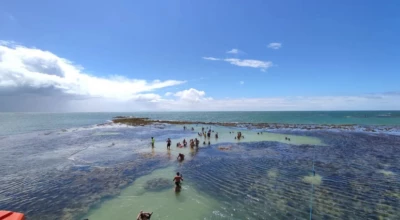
column 24, row 122
column 72, row 166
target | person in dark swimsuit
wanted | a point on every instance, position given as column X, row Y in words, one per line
column 168, row 143
column 181, row 157
column 184, row 142
column 144, row 215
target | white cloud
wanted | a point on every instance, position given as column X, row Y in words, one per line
column 241, row 82
column 233, row 51
column 28, row 70
column 211, row 58
column 263, row 65
column 37, row 80
column 275, row 46
column 250, row 63
column 370, row 102
column 191, row 95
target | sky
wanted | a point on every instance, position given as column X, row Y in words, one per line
column 179, row 55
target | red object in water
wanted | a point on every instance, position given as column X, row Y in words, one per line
column 8, row 215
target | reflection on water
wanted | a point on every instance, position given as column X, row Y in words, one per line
column 57, row 175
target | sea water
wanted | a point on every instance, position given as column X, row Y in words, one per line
column 76, row 171
column 24, row 122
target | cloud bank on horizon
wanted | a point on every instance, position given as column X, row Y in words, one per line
column 32, row 79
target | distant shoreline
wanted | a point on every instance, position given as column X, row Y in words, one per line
column 137, row 121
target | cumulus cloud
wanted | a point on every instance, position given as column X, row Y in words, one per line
column 211, row 58
column 38, row 80
column 26, row 70
column 274, row 46
column 233, row 51
column 249, row 63
column 191, row 95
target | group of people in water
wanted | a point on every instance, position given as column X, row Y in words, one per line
column 238, row 136
column 178, row 179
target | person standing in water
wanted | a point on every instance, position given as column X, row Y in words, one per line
column 184, row 142
column 168, row 143
column 152, row 141
column 180, row 157
column 177, row 179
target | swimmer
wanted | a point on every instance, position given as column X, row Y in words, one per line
column 204, row 142
column 152, row 141
column 209, row 142
column 192, row 129
column 258, row 133
column 180, row 157
column 144, row 215
column 197, row 142
column 235, row 137
column 216, row 135
column 184, row 142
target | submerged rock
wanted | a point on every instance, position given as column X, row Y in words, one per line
column 316, row 180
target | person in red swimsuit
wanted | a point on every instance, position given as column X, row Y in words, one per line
column 177, row 179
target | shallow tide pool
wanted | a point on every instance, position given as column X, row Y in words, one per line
column 112, row 172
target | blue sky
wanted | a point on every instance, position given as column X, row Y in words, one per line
column 328, row 48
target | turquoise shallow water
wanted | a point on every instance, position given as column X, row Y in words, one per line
column 12, row 123
column 63, row 167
